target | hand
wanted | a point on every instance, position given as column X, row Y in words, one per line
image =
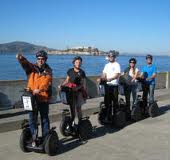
column 98, row 80
column 133, row 80
column 109, row 79
column 27, row 89
column 148, row 79
column 59, row 87
column 19, row 56
column 36, row 91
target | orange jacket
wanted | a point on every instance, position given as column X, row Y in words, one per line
column 37, row 80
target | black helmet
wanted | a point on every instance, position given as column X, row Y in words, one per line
column 77, row 58
column 113, row 53
column 149, row 56
column 42, row 53
column 133, row 60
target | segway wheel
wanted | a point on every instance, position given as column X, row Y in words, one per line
column 102, row 113
column 154, row 110
column 136, row 113
column 65, row 126
column 101, row 116
column 85, row 129
column 24, row 139
column 51, row 144
column 120, row 119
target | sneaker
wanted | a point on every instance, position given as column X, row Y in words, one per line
column 33, row 144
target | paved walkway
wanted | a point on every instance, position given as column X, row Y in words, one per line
column 145, row 140
column 11, row 119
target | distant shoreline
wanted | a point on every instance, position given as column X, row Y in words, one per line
column 28, row 48
column 84, row 54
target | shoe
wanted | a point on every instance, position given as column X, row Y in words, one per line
column 33, row 144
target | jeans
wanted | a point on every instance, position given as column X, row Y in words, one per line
column 111, row 98
column 148, row 89
column 128, row 90
column 43, row 108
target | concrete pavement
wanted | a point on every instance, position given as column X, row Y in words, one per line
column 11, row 119
column 148, row 139
column 145, row 140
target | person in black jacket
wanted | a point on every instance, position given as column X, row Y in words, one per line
column 76, row 77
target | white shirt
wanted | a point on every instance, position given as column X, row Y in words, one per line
column 133, row 74
column 110, row 70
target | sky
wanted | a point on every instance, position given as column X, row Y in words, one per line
column 135, row 26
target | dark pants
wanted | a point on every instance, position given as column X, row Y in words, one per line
column 111, row 98
column 148, row 89
column 43, row 108
column 77, row 101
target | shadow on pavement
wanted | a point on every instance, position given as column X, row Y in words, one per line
column 103, row 130
column 67, row 144
column 164, row 109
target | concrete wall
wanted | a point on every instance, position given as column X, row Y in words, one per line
column 10, row 91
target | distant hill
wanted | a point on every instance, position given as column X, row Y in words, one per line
column 18, row 46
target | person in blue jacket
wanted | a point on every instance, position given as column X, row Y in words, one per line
column 149, row 72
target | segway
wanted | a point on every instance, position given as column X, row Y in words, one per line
column 68, row 127
column 49, row 144
column 141, row 109
column 112, row 115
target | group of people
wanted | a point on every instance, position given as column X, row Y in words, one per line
column 40, row 83
column 112, row 74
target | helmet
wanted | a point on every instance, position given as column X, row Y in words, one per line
column 42, row 53
column 132, row 60
column 113, row 53
column 77, row 58
column 149, row 56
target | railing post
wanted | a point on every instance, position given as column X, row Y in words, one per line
column 167, row 80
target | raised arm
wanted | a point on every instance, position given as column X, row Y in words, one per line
column 26, row 65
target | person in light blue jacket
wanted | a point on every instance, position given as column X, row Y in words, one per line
column 149, row 72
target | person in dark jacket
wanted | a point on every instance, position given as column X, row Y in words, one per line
column 76, row 77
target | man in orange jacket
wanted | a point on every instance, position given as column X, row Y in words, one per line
column 39, row 82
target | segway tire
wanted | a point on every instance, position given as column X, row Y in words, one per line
column 66, row 122
column 25, row 137
column 136, row 113
column 101, row 116
column 119, row 119
column 154, row 110
column 85, row 129
column 51, row 144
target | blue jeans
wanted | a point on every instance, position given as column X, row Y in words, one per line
column 148, row 89
column 43, row 108
column 128, row 90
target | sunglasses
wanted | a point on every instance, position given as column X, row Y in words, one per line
column 43, row 59
column 111, row 56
